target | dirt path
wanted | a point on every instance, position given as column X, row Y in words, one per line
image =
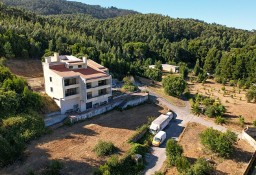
column 73, row 145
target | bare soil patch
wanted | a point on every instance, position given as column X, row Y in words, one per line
column 73, row 145
column 30, row 70
column 193, row 149
column 232, row 98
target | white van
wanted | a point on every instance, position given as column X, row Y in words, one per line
column 159, row 138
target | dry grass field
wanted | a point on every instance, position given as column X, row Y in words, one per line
column 73, row 145
column 193, row 149
column 232, row 98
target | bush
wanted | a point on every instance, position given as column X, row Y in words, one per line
column 215, row 110
column 218, row 142
column 173, row 151
column 241, row 121
column 182, row 164
column 103, row 148
column 138, row 149
column 251, row 94
column 54, row 168
column 174, row 85
column 158, row 173
column 220, row 120
column 254, row 123
column 128, row 85
column 201, row 167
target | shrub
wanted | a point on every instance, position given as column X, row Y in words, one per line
column 218, row 142
column 241, row 121
column 201, row 167
column 103, row 148
column 251, row 94
column 220, row 120
column 254, row 123
column 173, row 151
column 182, row 164
column 54, row 168
column 138, row 149
column 215, row 110
column 158, row 173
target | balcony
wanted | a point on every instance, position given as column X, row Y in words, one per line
column 95, row 98
column 70, row 81
column 70, row 92
column 100, row 84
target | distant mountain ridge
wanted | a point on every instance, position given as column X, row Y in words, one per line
column 54, row 7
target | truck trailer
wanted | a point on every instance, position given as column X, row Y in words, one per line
column 160, row 122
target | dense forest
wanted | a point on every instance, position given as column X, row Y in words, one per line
column 50, row 7
column 128, row 44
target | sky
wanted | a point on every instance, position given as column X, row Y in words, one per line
column 232, row 13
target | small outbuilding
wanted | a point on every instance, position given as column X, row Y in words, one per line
column 168, row 68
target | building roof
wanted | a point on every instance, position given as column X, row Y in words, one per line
column 91, row 72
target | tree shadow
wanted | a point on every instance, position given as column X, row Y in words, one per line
column 240, row 155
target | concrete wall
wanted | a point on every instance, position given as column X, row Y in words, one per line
column 94, row 112
column 247, row 135
column 135, row 102
column 102, row 109
column 69, row 104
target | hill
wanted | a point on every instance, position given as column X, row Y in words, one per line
column 49, row 7
column 128, row 44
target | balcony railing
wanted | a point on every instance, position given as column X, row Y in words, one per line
column 99, row 85
column 69, row 82
column 90, row 96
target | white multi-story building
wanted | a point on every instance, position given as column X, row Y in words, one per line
column 75, row 84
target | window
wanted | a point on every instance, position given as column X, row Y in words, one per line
column 102, row 92
column 88, row 105
column 102, row 82
column 88, row 85
column 51, row 89
column 70, row 81
column 72, row 91
column 89, row 95
column 79, row 66
column 50, row 79
column 70, row 67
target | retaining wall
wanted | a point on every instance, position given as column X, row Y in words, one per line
column 249, row 134
column 136, row 100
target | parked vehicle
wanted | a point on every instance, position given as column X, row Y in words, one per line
column 159, row 138
column 160, row 122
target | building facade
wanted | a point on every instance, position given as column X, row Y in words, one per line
column 76, row 85
column 168, row 68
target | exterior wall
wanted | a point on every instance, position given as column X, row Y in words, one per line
column 69, row 104
column 56, row 84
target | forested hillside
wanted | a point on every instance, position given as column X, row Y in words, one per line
column 53, row 7
column 128, row 44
